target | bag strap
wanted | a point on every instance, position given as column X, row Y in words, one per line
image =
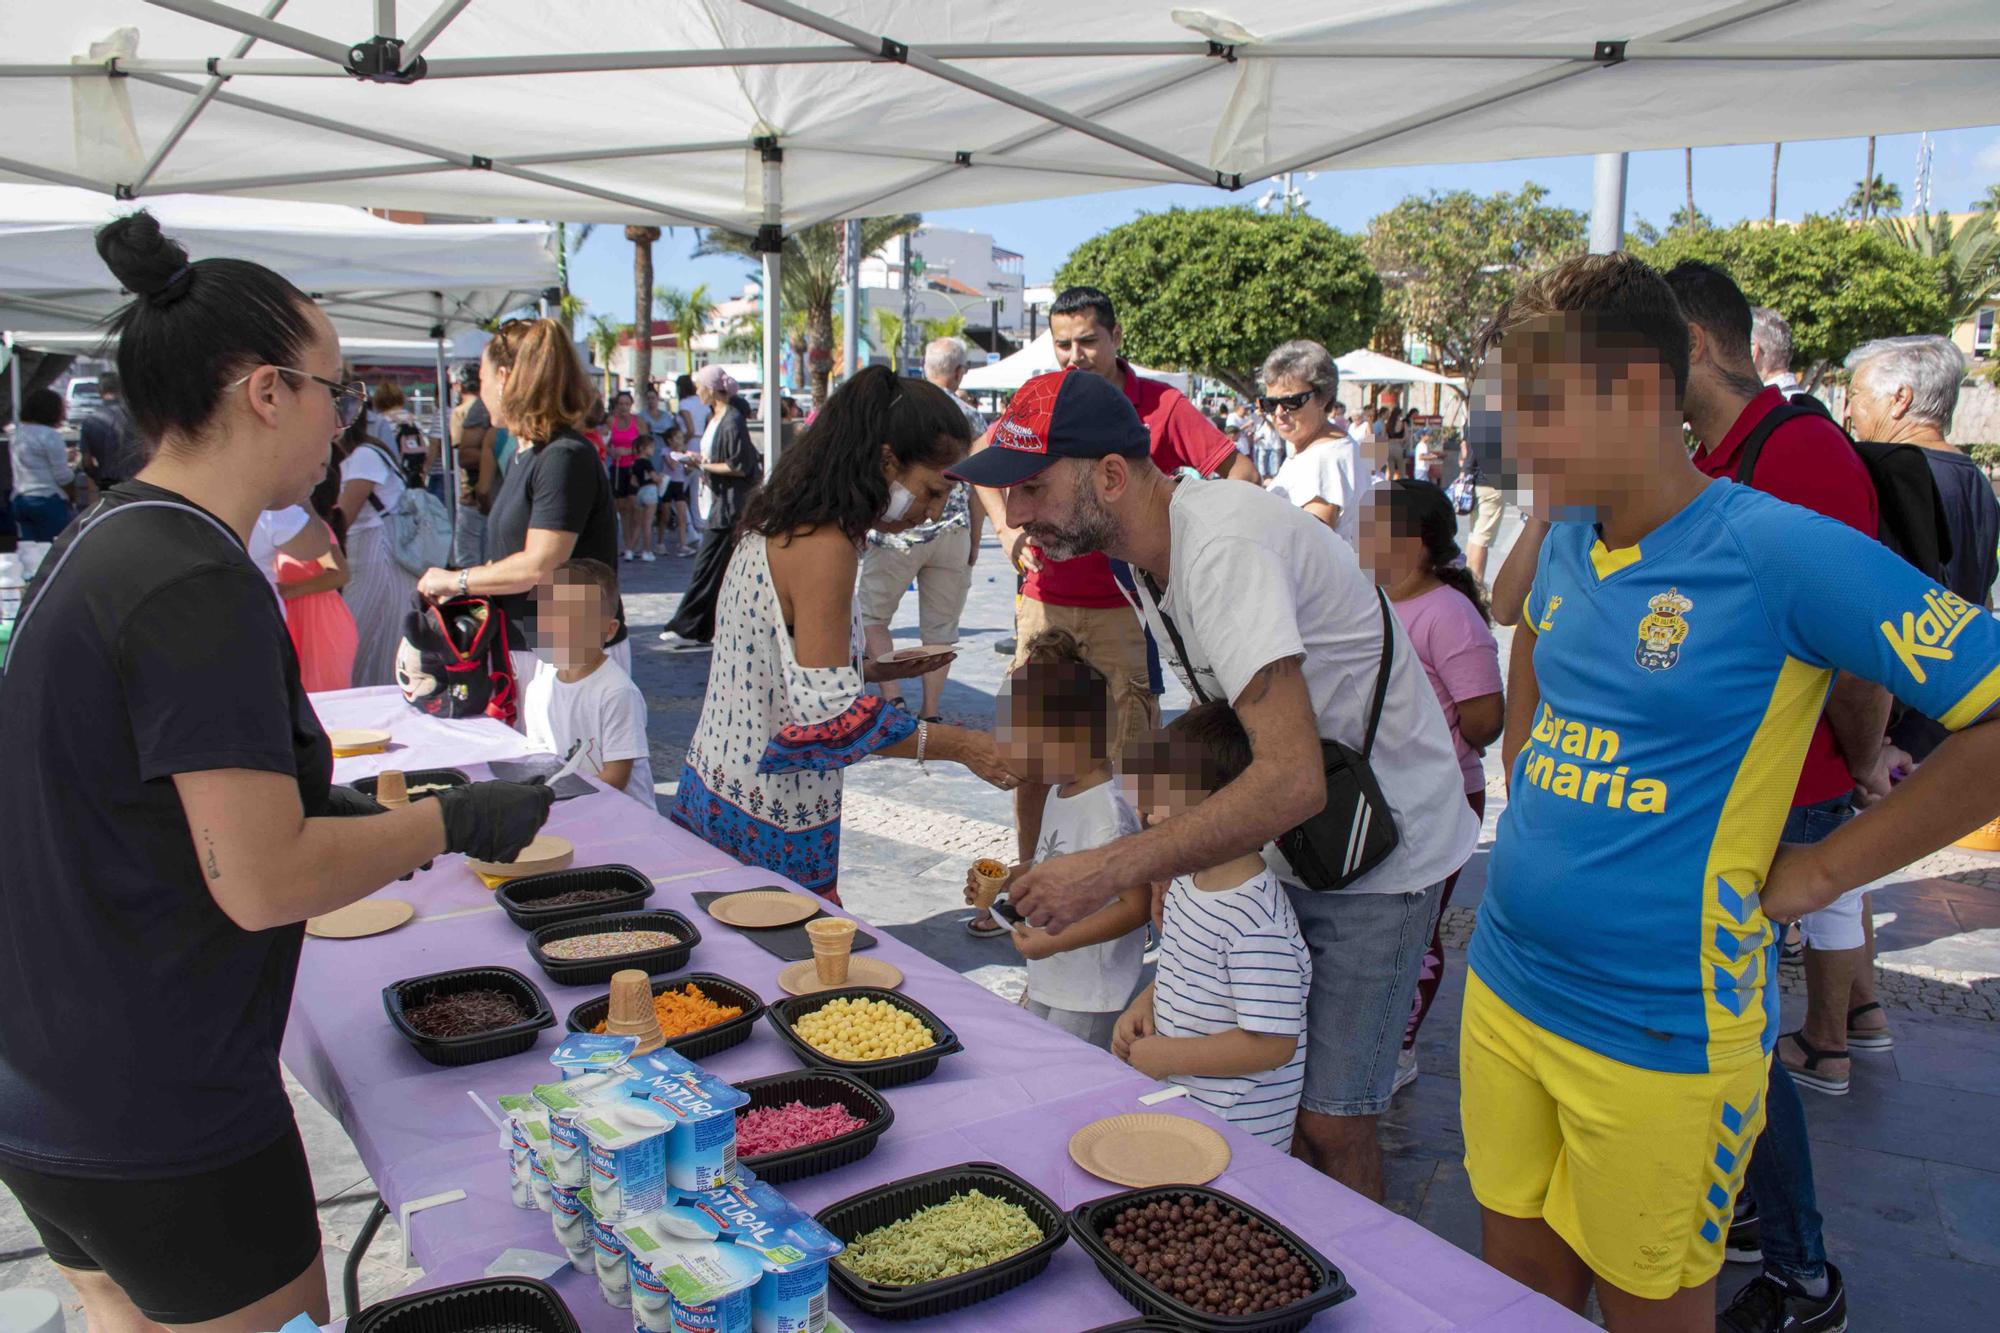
column 1381, row 678
column 394, row 467
column 1753, row 443
column 105, row 510
column 1174, row 633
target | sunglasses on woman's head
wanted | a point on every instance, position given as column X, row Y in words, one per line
column 1291, row 402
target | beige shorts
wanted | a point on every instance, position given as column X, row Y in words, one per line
column 1114, row 642
column 938, row 567
column 1487, row 506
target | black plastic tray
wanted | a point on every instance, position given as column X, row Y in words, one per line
column 816, row 1086
column 596, row 971
column 1087, row 1220
column 790, row 943
column 486, row 1305
column 494, row 1045
column 416, row 777
column 864, row 1212
column 1151, row 1324
column 703, row 1042
column 518, row 897
column 875, row 1073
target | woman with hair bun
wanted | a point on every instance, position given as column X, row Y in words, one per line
column 786, row 710
column 554, row 502
column 166, row 841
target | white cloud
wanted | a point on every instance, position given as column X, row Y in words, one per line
column 1989, row 158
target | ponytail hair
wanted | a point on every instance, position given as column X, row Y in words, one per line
column 547, row 387
column 833, row 474
column 193, row 327
column 1423, row 510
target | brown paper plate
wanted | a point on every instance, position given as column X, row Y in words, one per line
column 370, row 916
column 761, row 909
column 921, row 651
column 350, row 741
column 547, row 852
column 1142, row 1150
column 803, row 978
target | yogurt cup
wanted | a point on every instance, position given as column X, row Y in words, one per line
column 571, row 1220
column 628, row 1155
column 614, row 1277
column 526, row 1139
column 733, row 1313
column 791, row 1248
column 707, row 1284
column 587, row 1052
column 701, row 1152
column 565, row 1102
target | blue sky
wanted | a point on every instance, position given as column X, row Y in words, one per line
column 1729, row 184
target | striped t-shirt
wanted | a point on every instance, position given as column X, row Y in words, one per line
column 1233, row 958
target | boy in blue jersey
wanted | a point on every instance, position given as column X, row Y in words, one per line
column 1675, row 652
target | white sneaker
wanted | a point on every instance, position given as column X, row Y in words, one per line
column 627, row 555
column 1406, row 1071
column 676, row 644
column 646, row 556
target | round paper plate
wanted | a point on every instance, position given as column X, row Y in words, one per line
column 348, row 741
column 923, row 650
column 1141, row 1150
column 760, row 909
column 370, row 916
column 803, row 978
column 546, row 852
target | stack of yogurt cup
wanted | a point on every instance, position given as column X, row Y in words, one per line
column 740, row 1259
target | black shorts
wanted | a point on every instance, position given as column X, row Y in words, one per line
column 187, row 1248
column 676, row 490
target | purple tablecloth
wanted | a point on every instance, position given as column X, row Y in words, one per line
column 1015, row 1095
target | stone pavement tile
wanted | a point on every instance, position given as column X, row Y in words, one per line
column 1910, row 1119
column 1449, row 1210
column 1980, row 912
column 1945, row 1053
column 1968, row 1204
column 1876, row 1200
column 35, row 1271
column 1406, row 1183
column 1892, row 1294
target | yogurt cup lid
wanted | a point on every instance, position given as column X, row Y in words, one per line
column 682, row 1088
column 581, row 1051
column 765, row 1222
column 571, row 1094
column 695, row 1271
column 620, row 1123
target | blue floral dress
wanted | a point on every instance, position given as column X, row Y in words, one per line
column 763, row 774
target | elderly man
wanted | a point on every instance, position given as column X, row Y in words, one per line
column 1273, row 614
column 937, row 556
column 1771, row 351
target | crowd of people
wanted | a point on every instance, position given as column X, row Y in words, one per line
column 1752, row 670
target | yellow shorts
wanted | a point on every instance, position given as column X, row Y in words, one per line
column 1637, row 1170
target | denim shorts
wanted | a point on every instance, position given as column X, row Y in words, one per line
column 1367, row 949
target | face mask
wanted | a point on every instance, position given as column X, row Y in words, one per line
column 900, row 500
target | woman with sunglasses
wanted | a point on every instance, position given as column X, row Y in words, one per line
column 169, row 825
column 1323, row 474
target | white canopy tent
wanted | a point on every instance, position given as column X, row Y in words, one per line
column 1362, row 366
column 783, row 114
column 1039, row 358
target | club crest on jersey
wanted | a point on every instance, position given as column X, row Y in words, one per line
column 1662, row 630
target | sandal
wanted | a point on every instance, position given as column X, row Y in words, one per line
column 1808, row 1074
column 1868, row 1039
column 984, row 927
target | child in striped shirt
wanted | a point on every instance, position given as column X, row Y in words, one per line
column 1225, row 1016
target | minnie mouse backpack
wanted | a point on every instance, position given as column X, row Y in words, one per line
column 453, row 661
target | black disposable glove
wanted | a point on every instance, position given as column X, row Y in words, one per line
column 345, row 802
column 494, row 820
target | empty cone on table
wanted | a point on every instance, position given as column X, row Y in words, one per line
column 632, row 1013
column 390, row 789
column 833, row 944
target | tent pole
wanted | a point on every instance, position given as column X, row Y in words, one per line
column 444, row 417
column 1607, row 204
column 770, row 243
column 850, row 297
column 13, row 385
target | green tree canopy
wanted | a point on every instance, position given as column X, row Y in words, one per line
column 1968, row 257
column 1837, row 284
column 1213, row 290
column 1887, row 198
column 1451, row 259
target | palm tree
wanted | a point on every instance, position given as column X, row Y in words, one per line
column 812, row 276
column 1688, row 166
column 642, row 239
column 1968, row 257
column 1868, row 181
column 689, row 313
column 951, row 326
column 1873, row 197
column 570, row 306
column 890, row 326
column 1988, row 202
column 1772, row 216
column 603, row 337
column 744, row 336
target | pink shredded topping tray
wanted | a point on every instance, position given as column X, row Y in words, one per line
column 769, row 1129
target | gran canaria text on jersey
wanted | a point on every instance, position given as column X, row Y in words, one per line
column 1573, row 760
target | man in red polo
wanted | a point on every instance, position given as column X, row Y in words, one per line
column 1082, row 595
column 1807, row 460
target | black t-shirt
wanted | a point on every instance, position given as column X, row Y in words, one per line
column 139, row 1025
column 560, row 487
column 1972, row 516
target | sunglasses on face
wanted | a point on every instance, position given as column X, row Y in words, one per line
column 354, row 392
column 1290, row 403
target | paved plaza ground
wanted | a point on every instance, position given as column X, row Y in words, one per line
column 1908, row 1165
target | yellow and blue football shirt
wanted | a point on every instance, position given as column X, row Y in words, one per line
column 1680, row 680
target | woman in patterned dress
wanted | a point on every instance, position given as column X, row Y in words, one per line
column 786, row 710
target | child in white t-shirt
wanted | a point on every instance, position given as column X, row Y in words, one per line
column 1225, row 1016
column 1054, row 726
column 579, row 694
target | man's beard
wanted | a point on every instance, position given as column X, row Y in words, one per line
column 1088, row 527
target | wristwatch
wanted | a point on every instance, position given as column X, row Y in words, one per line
column 463, row 574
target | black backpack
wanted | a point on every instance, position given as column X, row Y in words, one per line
column 1906, row 494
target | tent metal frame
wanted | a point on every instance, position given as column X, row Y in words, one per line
column 386, row 57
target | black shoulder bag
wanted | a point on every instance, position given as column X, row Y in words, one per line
column 1355, row 830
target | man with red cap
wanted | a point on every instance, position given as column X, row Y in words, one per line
column 1272, row 613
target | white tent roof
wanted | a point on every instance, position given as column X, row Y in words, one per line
column 637, row 111
column 375, row 278
column 1039, row 358
column 1362, row 366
